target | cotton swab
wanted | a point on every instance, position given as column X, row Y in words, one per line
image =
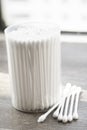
column 60, row 116
column 43, row 117
column 65, row 116
column 70, row 118
column 75, row 113
column 56, row 113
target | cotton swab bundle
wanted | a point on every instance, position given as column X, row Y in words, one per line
column 72, row 115
column 44, row 116
column 61, row 113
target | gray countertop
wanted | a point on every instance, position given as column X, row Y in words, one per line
column 74, row 70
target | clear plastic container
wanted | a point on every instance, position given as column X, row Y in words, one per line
column 34, row 60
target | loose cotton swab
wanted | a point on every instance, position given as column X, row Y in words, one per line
column 75, row 113
column 60, row 116
column 70, row 118
column 43, row 117
column 56, row 113
column 65, row 116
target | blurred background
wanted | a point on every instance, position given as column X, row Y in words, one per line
column 71, row 15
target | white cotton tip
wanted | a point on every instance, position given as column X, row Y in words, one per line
column 41, row 118
column 75, row 116
column 64, row 119
column 79, row 89
column 70, row 118
column 68, row 84
column 60, row 118
column 55, row 114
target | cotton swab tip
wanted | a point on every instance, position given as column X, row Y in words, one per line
column 60, row 118
column 70, row 118
column 41, row 119
column 55, row 115
column 75, row 116
column 68, row 84
column 64, row 119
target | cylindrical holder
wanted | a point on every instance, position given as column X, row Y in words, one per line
column 34, row 62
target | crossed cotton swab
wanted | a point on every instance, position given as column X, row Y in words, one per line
column 69, row 92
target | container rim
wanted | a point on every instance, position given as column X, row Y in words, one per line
column 13, row 26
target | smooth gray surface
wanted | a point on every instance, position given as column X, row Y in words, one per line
column 74, row 63
column 74, row 70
